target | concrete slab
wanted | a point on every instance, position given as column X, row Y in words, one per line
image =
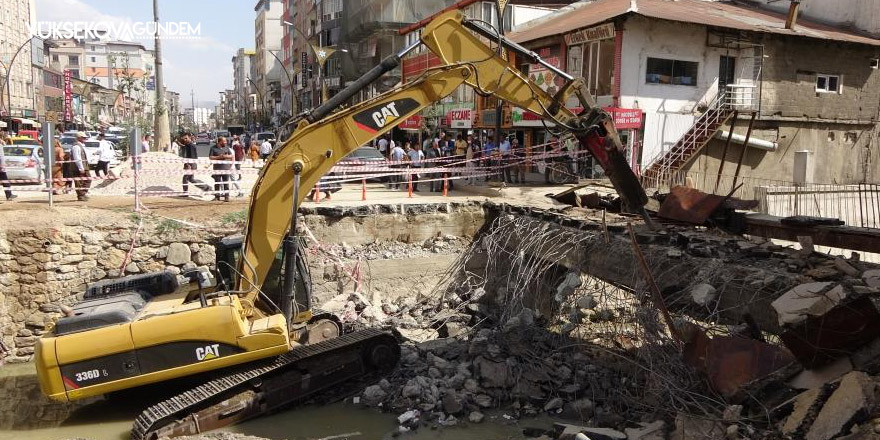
column 817, row 377
column 811, row 299
column 851, row 403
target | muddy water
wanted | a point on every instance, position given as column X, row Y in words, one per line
column 25, row 414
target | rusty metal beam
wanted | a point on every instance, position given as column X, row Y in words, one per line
column 845, row 237
column 724, row 152
column 742, row 154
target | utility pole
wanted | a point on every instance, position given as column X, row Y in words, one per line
column 160, row 121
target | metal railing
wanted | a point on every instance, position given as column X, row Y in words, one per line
column 854, row 204
column 693, row 139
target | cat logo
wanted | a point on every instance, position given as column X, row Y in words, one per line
column 378, row 118
column 208, row 352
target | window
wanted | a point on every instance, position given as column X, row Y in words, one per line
column 93, row 59
column 332, row 9
column 676, row 72
column 54, row 57
column 73, row 60
column 827, row 83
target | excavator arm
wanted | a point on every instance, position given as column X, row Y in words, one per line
column 319, row 141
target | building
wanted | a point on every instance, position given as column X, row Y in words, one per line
column 241, row 71
column 39, row 56
column 464, row 110
column 688, row 71
column 125, row 66
column 859, row 15
column 68, row 54
column 304, row 17
column 268, row 70
column 174, row 117
column 16, row 75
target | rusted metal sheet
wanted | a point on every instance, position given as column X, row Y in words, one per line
column 730, row 363
column 689, row 205
column 839, row 332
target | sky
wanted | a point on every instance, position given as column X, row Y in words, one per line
column 202, row 65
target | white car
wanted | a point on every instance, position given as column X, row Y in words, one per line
column 24, row 161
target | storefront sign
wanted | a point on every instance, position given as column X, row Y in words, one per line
column 413, row 122
column 601, row 32
column 68, row 96
column 460, row 118
column 545, row 78
column 624, row 118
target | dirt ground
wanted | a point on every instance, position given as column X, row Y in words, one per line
column 32, row 210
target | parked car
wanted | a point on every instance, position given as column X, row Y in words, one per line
column 364, row 156
column 203, row 138
column 266, row 136
column 24, row 161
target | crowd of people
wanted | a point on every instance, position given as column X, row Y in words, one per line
column 481, row 158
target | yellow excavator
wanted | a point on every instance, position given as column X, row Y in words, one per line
column 249, row 329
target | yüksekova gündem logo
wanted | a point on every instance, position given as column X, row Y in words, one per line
column 114, row 31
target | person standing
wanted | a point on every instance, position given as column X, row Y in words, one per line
column 221, row 152
column 7, row 187
column 175, row 148
column 81, row 167
column 145, row 145
column 504, row 151
column 488, row 157
column 416, row 156
column 382, row 145
column 254, row 152
column 188, row 151
column 519, row 157
column 265, row 149
column 106, row 153
column 58, row 169
column 397, row 155
column 238, row 150
column 469, row 165
column 433, row 154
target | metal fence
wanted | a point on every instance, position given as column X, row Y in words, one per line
column 855, row 204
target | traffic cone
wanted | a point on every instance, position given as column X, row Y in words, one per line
column 445, row 187
column 410, row 186
column 363, row 189
column 316, row 196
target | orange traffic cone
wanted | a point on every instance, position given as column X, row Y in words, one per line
column 445, row 187
column 410, row 186
column 316, row 196
column 363, row 189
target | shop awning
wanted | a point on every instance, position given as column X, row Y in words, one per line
column 25, row 121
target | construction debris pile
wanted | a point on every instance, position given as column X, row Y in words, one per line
column 520, row 328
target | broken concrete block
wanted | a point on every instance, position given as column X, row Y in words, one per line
column 844, row 267
column 648, row 431
column 703, row 294
column 804, row 404
column 872, row 278
column 689, row 427
column 570, row 432
column 851, row 403
column 811, row 299
column 817, row 377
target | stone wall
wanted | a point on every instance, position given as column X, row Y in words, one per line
column 42, row 269
column 403, row 252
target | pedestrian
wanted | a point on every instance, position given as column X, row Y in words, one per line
column 461, row 146
column 552, row 153
column 3, row 177
column 221, row 152
column 488, row 156
column 106, row 153
column 265, row 149
column 188, row 151
column 58, row 169
column 416, row 156
column 254, row 152
column 397, row 154
column 504, row 153
column 81, row 166
column 433, row 154
column 382, row 145
column 145, row 145
column 175, row 148
column 239, row 154
column 470, row 165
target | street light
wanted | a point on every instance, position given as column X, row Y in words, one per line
column 262, row 103
column 321, row 54
column 8, row 68
column 293, row 103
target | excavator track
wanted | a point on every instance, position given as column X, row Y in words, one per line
column 264, row 386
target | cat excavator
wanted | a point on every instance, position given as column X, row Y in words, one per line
column 248, row 331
